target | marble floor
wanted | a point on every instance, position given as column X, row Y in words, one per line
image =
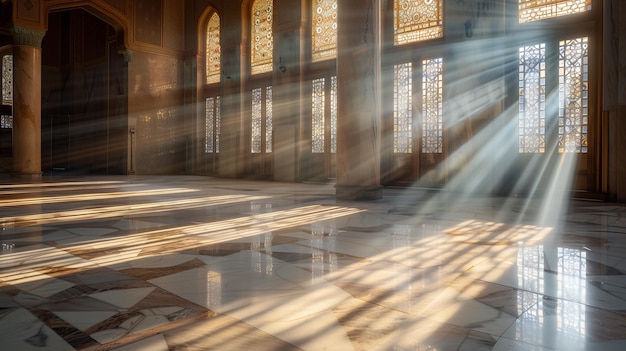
column 195, row 263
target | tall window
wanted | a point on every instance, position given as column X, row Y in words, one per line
column 333, row 114
column 213, row 50
column 432, row 106
column 573, row 95
column 403, row 108
column 212, row 127
column 213, row 75
column 324, row 29
column 6, row 121
column 573, row 115
column 535, row 10
column 262, row 37
column 532, row 99
column 261, row 120
column 261, row 61
column 318, row 116
column 417, row 20
column 324, row 116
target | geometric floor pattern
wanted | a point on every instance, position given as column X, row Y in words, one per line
column 197, row 263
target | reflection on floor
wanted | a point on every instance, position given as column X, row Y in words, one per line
column 194, row 263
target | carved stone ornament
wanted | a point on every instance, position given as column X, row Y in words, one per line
column 27, row 36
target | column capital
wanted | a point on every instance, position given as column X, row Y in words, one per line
column 27, row 36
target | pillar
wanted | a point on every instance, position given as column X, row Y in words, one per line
column 358, row 100
column 27, row 102
column 231, row 161
column 286, row 79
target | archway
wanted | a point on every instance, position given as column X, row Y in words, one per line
column 84, row 95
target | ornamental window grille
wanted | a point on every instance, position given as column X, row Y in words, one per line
column 324, row 30
column 213, row 50
column 573, row 95
column 432, row 106
column 324, row 115
column 536, row 10
column 212, row 124
column 262, row 36
column 532, row 98
column 416, row 21
column 261, row 128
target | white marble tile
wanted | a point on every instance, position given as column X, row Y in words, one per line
column 36, row 256
column 123, row 298
column 149, row 322
column 7, row 302
column 83, row 320
column 154, row 343
column 60, row 235
column 119, row 260
column 44, row 285
column 455, row 308
column 131, row 322
column 161, row 311
column 109, row 335
column 20, row 330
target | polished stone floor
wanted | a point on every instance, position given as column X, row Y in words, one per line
column 195, row 263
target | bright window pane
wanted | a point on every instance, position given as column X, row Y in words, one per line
column 212, row 121
column 402, row 108
column 573, row 95
column 269, row 130
column 532, row 99
column 7, row 89
column 324, row 29
column 317, row 116
column 257, row 117
column 333, row 114
column 213, row 50
column 209, row 118
column 7, row 80
column 262, row 38
column 535, row 10
column 432, row 106
column 417, row 20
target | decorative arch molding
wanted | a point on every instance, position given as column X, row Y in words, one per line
column 98, row 8
column 203, row 20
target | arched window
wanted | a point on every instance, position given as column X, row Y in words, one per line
column 262, row 36
column 260, row 90
column 533, row 10
column 213, row 50
column 321, row 74
column 209, row 129
column 417, row 20
column 324, row 31
column 213, row 75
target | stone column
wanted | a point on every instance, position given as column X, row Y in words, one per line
column 27, row 102
column 358, row 100
column 286, row 92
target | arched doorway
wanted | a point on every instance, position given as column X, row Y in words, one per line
column 84, row 96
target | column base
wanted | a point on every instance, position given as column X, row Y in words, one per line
column 26, row 177
column 346, row 192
